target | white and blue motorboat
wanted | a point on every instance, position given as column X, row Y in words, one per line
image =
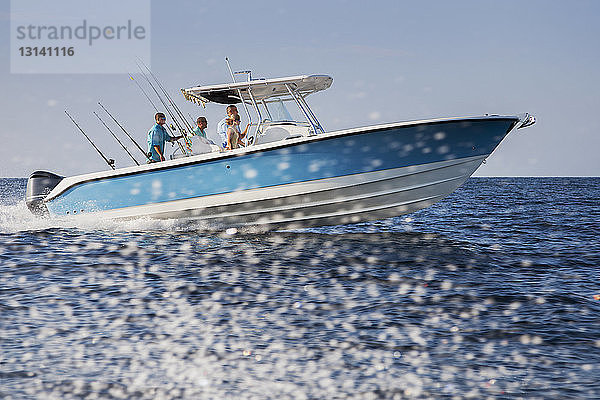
column 292, row 173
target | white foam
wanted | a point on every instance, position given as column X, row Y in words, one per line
column 17, row 218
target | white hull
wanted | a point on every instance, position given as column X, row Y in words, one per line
column 329, row 201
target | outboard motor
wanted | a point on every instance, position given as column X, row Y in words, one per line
column 40, row 183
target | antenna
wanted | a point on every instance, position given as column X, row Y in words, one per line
column 230, row 70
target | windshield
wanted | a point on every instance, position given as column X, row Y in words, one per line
column 278, row 112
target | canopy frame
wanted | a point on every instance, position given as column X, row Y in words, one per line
column 264, row 91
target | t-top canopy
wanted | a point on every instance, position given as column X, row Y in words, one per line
column 260, row 89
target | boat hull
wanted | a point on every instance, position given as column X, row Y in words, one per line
column 335, row 178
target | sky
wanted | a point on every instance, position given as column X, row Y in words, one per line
column 390, row 61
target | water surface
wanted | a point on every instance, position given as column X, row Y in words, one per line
column 489, row 293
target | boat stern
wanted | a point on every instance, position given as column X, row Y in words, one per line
column 39, row 184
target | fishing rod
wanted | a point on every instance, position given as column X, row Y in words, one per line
column 191, row 119
column 117, row 139
column 123, row 129
column 110, row 162
column 166, row 94
column 160, row 98
column 171, row 102
column 188, row 143
column 172, row 128
column 156, row 109
column 145, row 94
column 168, row 111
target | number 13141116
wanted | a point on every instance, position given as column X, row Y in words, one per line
column 46, row 51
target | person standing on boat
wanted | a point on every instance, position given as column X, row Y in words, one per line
column 222, row 126
column 157, row 136
column 234, row 136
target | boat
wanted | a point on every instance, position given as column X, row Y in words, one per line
column 292, row 173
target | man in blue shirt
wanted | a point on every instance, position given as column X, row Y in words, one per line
column 232, row 112
column 157, row 136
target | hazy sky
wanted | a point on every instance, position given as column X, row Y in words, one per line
column 390, row 60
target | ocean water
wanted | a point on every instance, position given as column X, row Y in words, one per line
column 492, row 293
